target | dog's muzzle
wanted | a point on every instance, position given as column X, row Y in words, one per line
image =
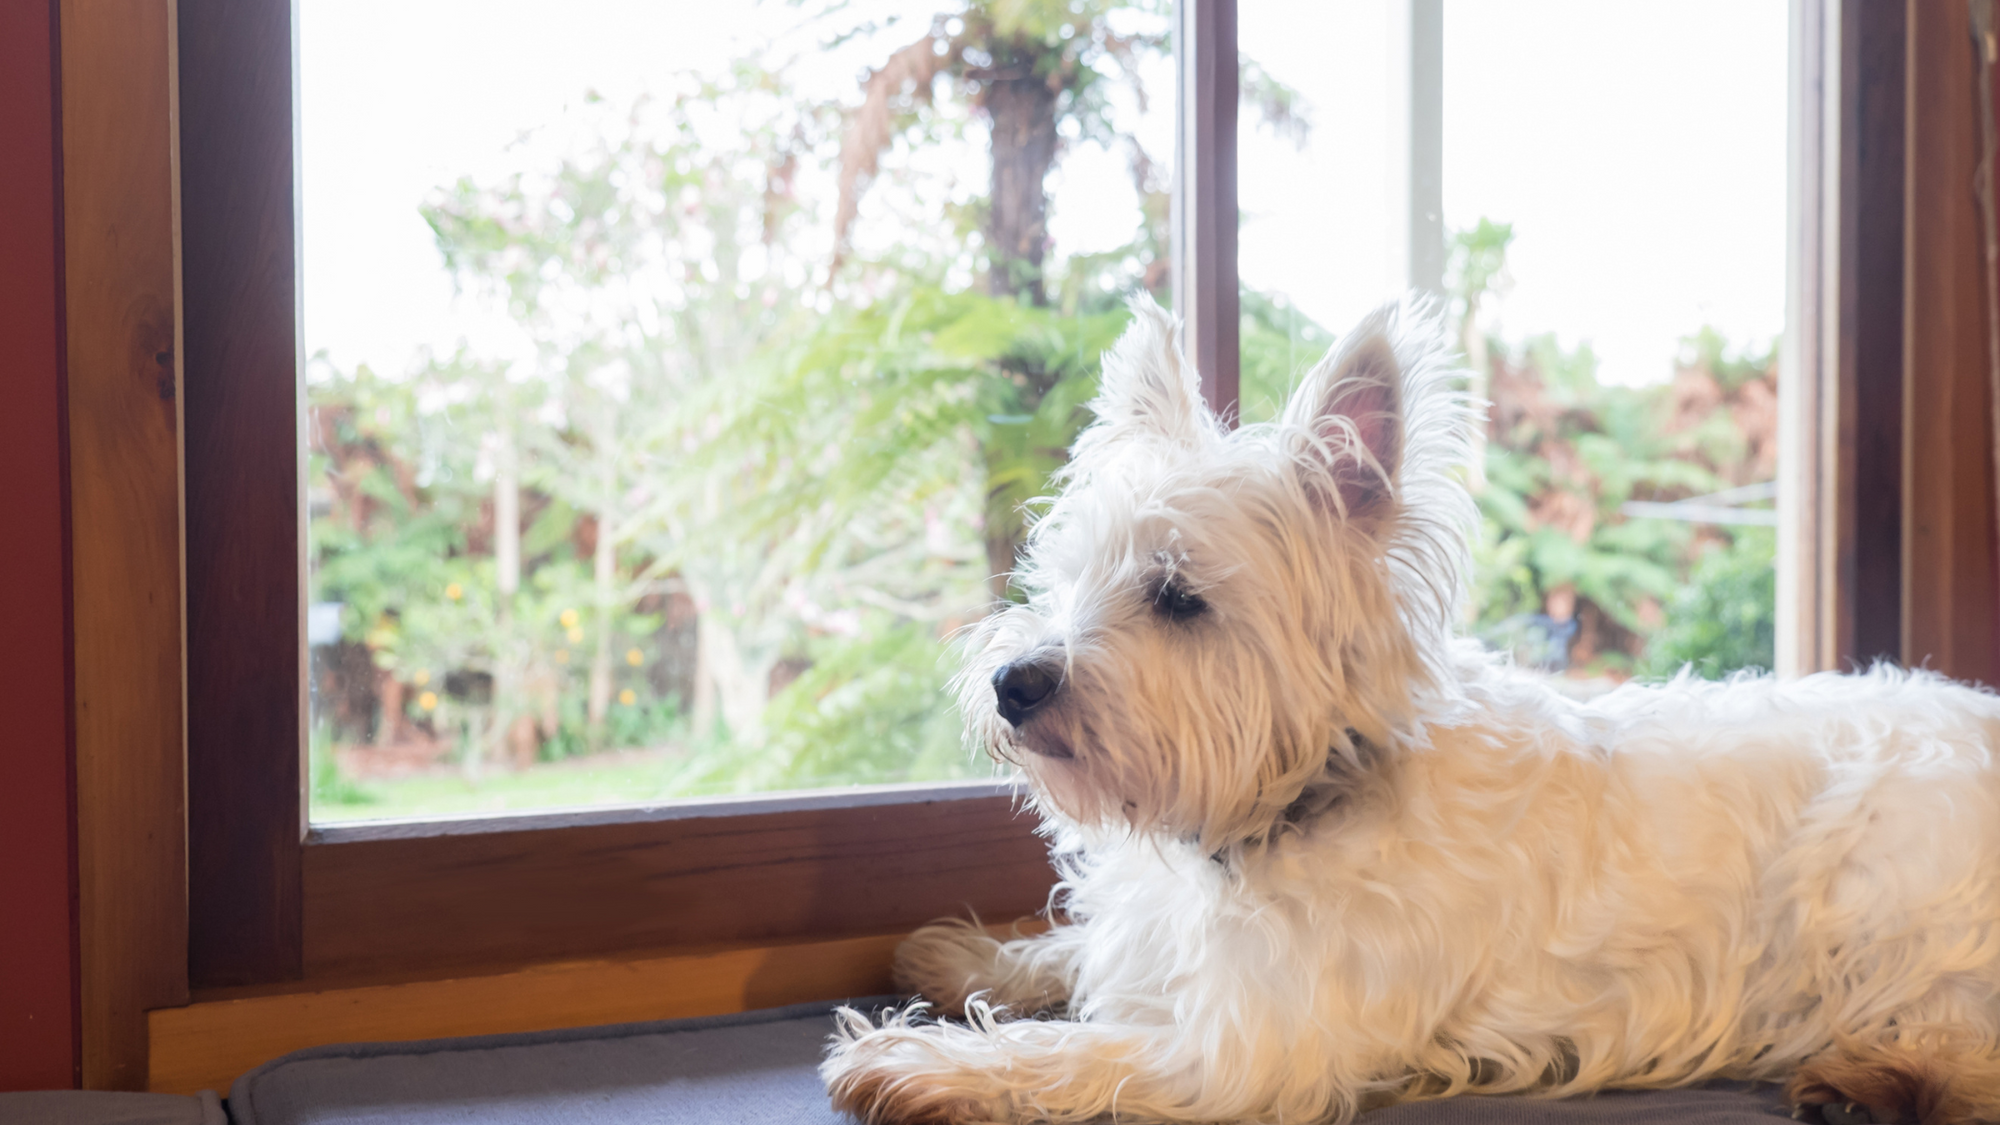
column 1023, row 688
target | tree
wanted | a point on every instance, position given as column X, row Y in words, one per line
column 649, row 267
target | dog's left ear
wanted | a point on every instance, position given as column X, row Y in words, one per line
column 1349, row 412
column 1148, row 387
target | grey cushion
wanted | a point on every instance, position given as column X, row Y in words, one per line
column 756, row 1067
column 93, row 1107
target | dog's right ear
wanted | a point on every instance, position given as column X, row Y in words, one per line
column 1148, row 387
column 1350, row 410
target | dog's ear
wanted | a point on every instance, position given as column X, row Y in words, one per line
column 1147, row 386
column 1348, row 412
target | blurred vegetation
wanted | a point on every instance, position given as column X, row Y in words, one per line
column 1722, row 619
column 765, row 438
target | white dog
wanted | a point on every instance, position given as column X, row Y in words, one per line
column 1319, row 856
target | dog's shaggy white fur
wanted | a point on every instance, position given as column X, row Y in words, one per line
column 1318, row 855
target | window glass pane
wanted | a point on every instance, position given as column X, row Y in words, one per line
column 676, row 374
column 1613, row 201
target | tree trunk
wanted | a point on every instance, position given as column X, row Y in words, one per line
column 729, row 685
column 389, row 690
column 740, row 683
column 1022, row 108
column 1001, row 545
column 506, row 514
column 508, row 670
column 604, row 575
column 1023, row 113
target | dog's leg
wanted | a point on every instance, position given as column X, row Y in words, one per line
column 1056, row 1071
column 1936, row 1079
column 949, row 962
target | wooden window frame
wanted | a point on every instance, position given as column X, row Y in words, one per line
column 271, row 901
column 1888, row 546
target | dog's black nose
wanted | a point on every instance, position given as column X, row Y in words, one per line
column 1021, row 688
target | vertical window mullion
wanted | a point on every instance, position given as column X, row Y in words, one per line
column 1204, row 204
column 1416, row 161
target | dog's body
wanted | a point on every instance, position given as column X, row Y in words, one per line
column 1319, row 856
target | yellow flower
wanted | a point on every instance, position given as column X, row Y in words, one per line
column 634, row 657
column 454, row 591
column 568, row 619
column 628, row 697
column 575, row 635
column 422, row 677
column 428, row 701
column 562, row 656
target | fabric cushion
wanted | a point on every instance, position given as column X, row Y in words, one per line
column 94, row 1107
column 756, row 1067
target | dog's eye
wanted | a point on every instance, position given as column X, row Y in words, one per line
column 1178, row 603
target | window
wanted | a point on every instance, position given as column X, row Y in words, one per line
column 272, row 901
column 1599, row 199
column 675, row 384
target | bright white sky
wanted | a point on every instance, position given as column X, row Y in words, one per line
column 1638, row 149
column 1639, row 154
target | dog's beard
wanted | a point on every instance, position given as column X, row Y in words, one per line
column 1098, row 764
column 1180, row 734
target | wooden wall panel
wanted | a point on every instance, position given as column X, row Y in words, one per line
column 37, row 943
column 1951, row 606
column 445, row 903
column 121, row 281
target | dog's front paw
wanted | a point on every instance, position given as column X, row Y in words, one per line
column 945, row 963
column 897, row 1074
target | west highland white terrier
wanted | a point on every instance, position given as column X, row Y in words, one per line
column 1318, row 855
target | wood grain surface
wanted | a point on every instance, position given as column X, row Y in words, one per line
column 207, row 1045
column 1866, row 460
column 121, row 296
column 246, row 678
column 1951, row 602
column 447, row 903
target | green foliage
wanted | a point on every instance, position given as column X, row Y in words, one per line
column 1477, row 259
column 1710, row 351
column 330, row 786
column 871, row 708
column 894, row 456
column 1564, row 452
column 646, row 723
column 1278, row 344
column 1724, row 619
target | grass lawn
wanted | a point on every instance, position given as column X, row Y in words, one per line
column 604, row 780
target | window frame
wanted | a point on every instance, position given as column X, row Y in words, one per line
column 271, row 901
